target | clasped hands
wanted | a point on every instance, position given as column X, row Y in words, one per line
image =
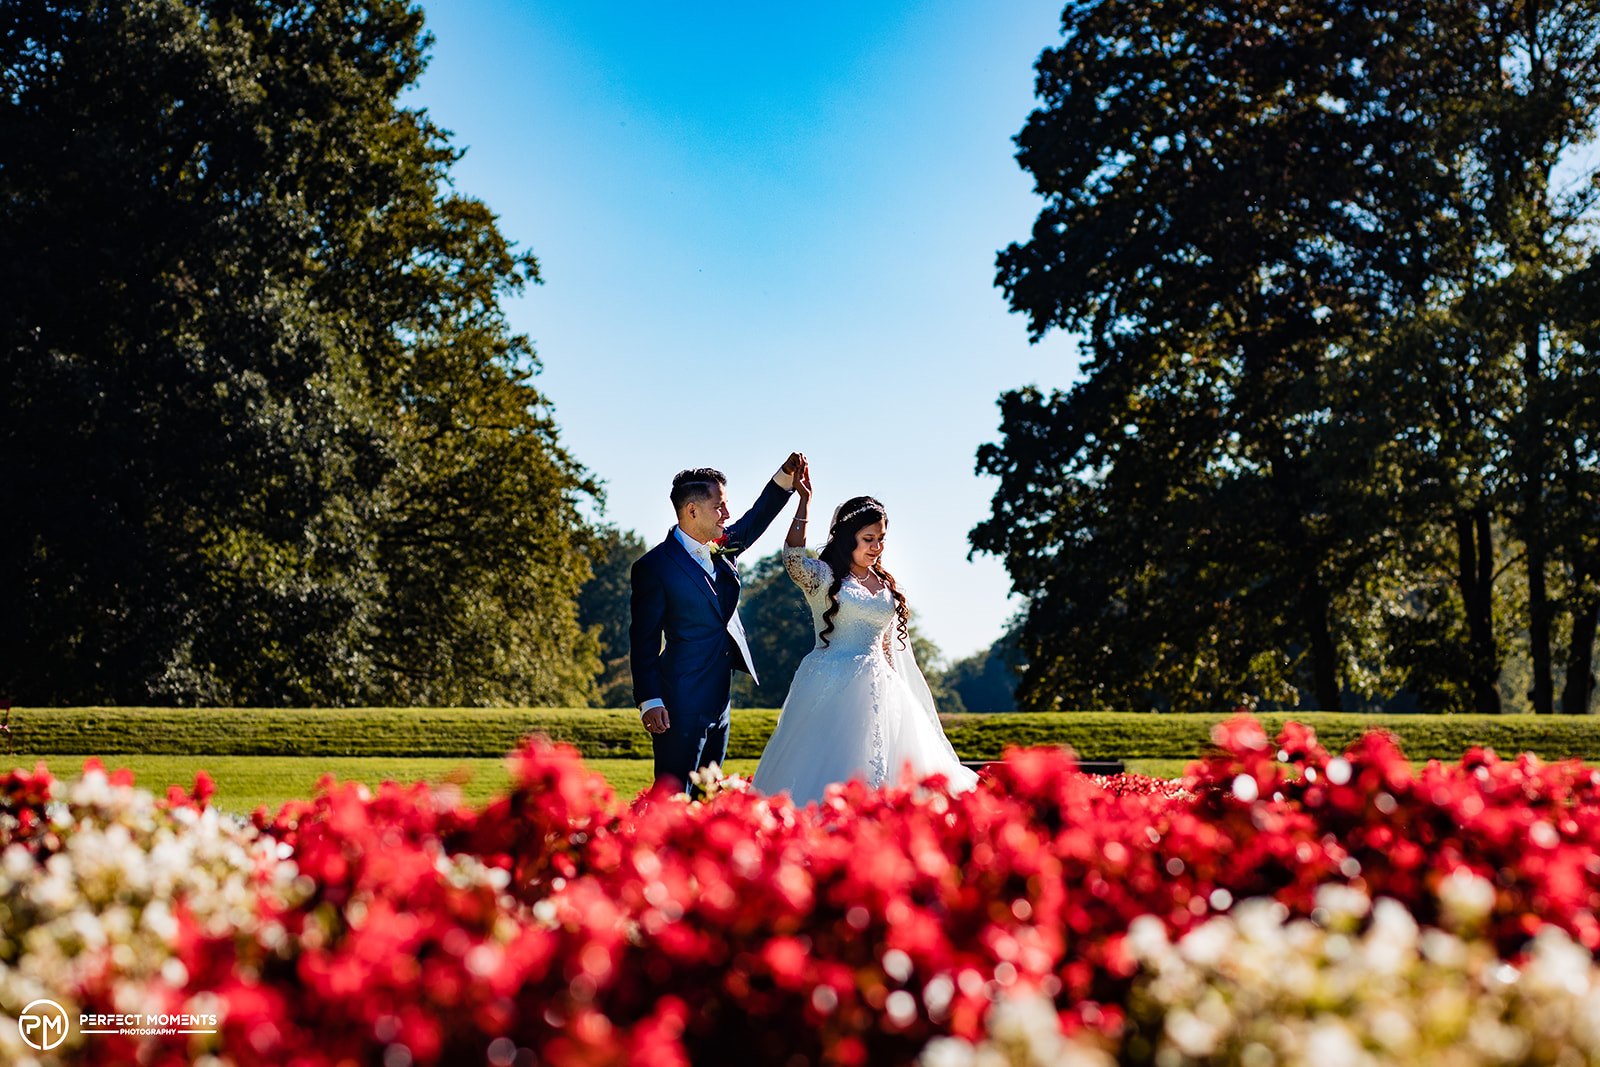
column 799, row 470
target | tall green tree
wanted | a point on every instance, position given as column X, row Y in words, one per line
column 1574, row 497
column 1535, row 120
column 272, row 437
column 1216, row 490
column 1279, row 230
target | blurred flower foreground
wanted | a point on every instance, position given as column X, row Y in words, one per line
column 1280, row 905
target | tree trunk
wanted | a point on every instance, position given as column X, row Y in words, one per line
column 1475, row 578
column 1543, row 692
column 1324, row 654
column 1579, row 690
column 1533, row 525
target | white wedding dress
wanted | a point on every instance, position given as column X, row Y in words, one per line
column 859, row 707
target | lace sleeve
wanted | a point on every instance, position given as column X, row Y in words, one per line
column 811, row 575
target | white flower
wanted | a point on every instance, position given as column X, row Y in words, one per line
column 1023, row 1032
column 947, row 1052
column 1253, row 989
column 1208, row 943
column 1147, row 939
column 1191, row 1035
column 1260, row 920
column 1559, row 965
column 1466, row 900
column 1391, row 943
column 1340, row 907
column 1331, row 1044
column 1392, row 1029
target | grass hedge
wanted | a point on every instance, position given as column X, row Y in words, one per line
column 607, row 734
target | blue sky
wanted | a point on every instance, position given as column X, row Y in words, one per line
column 764, row 228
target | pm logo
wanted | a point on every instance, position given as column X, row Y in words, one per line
column 43, row 1024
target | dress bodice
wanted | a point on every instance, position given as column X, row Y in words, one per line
column 863, row 618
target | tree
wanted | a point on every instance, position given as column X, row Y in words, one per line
column 1539, row 233
column 273, row 439
column 1263, row 221
column 604, row 607
column 1219, row 488
column 1574, row 497
column 987, row 681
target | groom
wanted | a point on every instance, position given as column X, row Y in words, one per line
column 686, row 590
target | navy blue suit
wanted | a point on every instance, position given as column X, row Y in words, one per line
column 675, row 599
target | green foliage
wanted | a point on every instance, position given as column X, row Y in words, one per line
column 269, row 439
column 603, row 607
column 488, row 733
column 987, row 681
column 1317, row 263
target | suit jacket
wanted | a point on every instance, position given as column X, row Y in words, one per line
column 697, row 616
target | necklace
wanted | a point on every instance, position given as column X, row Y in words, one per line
column 862, row 578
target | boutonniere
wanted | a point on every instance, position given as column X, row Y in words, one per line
column 723, row 547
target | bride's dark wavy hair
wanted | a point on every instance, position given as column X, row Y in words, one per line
column 855, row 514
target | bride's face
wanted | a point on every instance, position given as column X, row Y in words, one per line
column 869, row 545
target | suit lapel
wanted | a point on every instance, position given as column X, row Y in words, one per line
column 691, row 568
column 727, row 585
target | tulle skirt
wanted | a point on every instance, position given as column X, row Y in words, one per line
column 854, row 716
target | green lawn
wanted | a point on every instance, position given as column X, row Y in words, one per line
column 246, row 782
column 269, row 755
column 487, row 733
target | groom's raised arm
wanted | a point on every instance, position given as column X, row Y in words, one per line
column 647, row 618
column 774, row 496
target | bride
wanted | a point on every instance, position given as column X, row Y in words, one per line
column 858, row 707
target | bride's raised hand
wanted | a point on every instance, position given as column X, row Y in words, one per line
column 802, row 489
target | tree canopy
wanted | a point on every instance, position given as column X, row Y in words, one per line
column 1322, row 259
column 269, row 438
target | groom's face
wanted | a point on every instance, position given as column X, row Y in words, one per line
column 704, row 520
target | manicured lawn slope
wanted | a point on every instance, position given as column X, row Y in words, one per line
column 267, row 756
column 488, row 733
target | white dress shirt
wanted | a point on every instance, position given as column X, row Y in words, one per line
column 700, row 552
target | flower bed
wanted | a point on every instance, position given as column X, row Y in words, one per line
column 1048, row 916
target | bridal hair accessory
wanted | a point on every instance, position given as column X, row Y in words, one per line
column 870, row 505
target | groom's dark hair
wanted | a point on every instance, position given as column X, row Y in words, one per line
column 694, row 486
